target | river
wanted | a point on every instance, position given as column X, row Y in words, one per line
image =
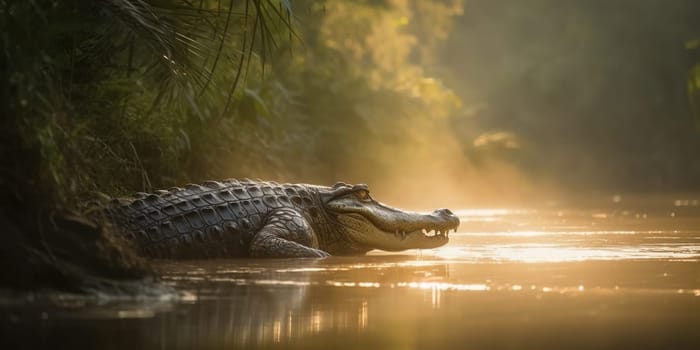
column 604, row 273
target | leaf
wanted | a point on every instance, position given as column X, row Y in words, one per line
column 287, row 5
column 260, row 105
column 186, row 138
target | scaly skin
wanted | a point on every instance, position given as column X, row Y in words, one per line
column 244, row 218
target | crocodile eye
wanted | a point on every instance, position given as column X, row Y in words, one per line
column 363, row 195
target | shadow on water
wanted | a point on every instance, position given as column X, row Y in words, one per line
column 591, row 278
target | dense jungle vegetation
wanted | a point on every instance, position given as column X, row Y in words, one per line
column 116, row 96
column 109, row 97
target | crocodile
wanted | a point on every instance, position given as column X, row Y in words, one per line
column 246, row 218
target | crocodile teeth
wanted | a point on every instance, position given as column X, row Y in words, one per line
column 436, row 232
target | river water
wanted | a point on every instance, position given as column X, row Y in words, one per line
column 609, row 273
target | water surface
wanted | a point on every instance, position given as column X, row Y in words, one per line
column 605, row 274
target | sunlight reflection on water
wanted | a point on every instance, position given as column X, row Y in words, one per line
column 525, row 275
column 496, row 235
column 534, row 253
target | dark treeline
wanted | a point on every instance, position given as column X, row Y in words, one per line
column 117, row 96
column 120, row 96
column 596, row 91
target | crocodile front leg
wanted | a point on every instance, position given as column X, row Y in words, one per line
column 286, row 234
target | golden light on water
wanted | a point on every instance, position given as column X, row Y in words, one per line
column 522, row 263
column 553, row 253
column 499, row 235
column 277, row 331
column 473, row 287
column 363, row 315
column 499, row 259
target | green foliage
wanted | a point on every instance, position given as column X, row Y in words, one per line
column 118, row 96
column 108, row 94
column 356, row 101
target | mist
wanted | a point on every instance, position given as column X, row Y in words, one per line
column 553, row 99
column 594, row 91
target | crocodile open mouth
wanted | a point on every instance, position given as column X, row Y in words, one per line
column 412, row 235
column 378, row 226
column 442, row 232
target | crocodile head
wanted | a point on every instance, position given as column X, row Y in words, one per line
column 373, row 225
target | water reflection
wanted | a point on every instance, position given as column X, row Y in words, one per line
column 531, row 279
column 664, row 229
column 248, row 303
column 538, row 253
column 301, row 303
column 254, row 318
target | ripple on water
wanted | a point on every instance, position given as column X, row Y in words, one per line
column 536, row 253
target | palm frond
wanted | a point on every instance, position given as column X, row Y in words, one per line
column 186, row 40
